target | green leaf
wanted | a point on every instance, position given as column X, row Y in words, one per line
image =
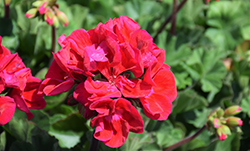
column 210, row 73
column 69, row 134
column 227, row 145
column 41, row 119
column 245, row 105
column 137, row 141
column 200, row 117
column 41, row 74
column 201, row 140
column 2, row 141
column 168, row 135
column 224, row 18
column 6, row 27
column 182, row 80
column 43, row 141
column 62, row 109
column 21, row 146
column 55, row 100
column 188, row 100
column 173, row 55
column 20, row 129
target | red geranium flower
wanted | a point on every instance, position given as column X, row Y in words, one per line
column 115, row 66
column 18, row 87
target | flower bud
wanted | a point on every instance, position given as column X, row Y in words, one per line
column 31, row 13
column 42, row 8
column 222, row 132
column 49, row 16
column 7, row 2
column 55, row 21
column 61, row 16
column 233, row 110
column 37, row 3
column 216, row 123
column 219, row 112
column 221, row 135
column 51, row 2
column 234, row 121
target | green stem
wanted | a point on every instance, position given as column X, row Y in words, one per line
column 168, row 19
column 174, row 17
column 53, row 43
column 6, row 10
column 94, row 144
column 185, row 140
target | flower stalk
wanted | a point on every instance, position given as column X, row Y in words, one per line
column 168, row 19
column 6, row 9
column 173, row 24
column 53, row 43
column 185, row 140
column 94, row 143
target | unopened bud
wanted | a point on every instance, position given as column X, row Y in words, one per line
column 61, row 16
column 37, row 3
column 55, row 22
column 234, row 121
column 216, row 123
column 42, row 8
column 7, row 2
column 51, row 2
column 221, row 135
column 233, row 110
column 49, row 17
column 225, row 129
column 31, row 13
column 219, row 112
column 222, row 132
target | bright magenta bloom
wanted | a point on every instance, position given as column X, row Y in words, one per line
column 116, row 67
column 17, row 87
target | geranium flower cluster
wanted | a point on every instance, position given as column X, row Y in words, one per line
column 224, row 122
column 49, row 10
column 18, row 87
column 116, row 67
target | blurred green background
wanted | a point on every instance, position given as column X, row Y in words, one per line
column 209, row 56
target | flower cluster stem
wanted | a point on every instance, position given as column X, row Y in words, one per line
column 168, row 19
column 6, row 11
column 94, row 144
column 185, row 140
column 174, row 17
column 53, row 43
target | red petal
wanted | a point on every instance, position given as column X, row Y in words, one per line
column 7, row 109
column 103, row 130
column 130, row 114
column 78, row 40
column 55, row 86
column 131, row 60
column 142, row 40
column 3, row 51
column 20, row 102
column 104, row 107
column 126, row 25
column 120, row 132
column 133, row 88
column 100, row 89
column 165, row 82
column 2, row 84
column 156, row 106
column 33, row 100
column 81, row 95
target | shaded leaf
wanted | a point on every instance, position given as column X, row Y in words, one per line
column 21, row 146
column 69, row 130
column 188, row 100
